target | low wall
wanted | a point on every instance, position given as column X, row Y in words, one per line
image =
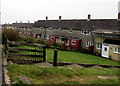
column 5, row 78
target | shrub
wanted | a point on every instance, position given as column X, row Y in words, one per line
column 89, row 50
column 30, row 39
column 4, row 39
column 74, row 48
column 40, row 41
column 62, row 46
column 48, row 43
column 55, row 45
column 10, row 34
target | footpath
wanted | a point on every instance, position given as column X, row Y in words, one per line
column 0, row 64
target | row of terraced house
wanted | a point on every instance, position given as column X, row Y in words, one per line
column 103, row 35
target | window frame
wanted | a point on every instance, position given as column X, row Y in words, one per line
column 99, row 46
column 73, row 43
column 50, row 29
column 43, row 36
column 60, row 29
column 70, row 30
column 85, row 32
column 116, row 50
column 89, row 43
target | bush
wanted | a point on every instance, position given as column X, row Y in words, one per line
column 62, row 46
column 10, row 34
column 74, row 48
column 4, row 39
column 30, row 39
column 89, row 50
column 40, row 41
column 55, row 45
column 48, row 43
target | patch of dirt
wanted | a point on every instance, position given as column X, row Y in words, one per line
column 25, row 80
column 96, row 66
column 10, row 63
column 74, row 65
column 43, row 64
column 107, row 77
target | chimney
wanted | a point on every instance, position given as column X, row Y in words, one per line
column 89, row 16
column 28, row 21
column 119, row 15
column 16, row 21
column 46, row 18
column 34, row 21
column 20, row 21
column 60, row 18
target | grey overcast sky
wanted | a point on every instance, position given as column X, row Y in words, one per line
column 33, row 10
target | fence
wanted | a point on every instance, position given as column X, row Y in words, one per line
column 33, row 53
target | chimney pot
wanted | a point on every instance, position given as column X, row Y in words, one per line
column 89, row 16
column 119, row 15
column 60, row 18
column 46, row 18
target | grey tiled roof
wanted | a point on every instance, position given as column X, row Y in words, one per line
column 111, row 41
column 26, row 25
column 93, row 24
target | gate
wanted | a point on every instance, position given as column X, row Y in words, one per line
column 28, row 52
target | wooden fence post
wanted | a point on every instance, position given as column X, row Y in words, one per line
column 55, row 57
column 44, row 54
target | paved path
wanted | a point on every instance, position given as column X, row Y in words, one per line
column 0, row 65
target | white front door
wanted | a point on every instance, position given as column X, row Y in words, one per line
column 38, row 36
column 105, row 50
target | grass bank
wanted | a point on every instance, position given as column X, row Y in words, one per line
column 75, row 57
column 63, row 75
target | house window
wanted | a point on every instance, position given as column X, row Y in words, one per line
column 73, row 42
column 41, row 27
column 70, row 30
column 42, row 36
column 99, row 46
column 50, row 29
column 60, row 29
column 89, row 43
column 51, row 39
column 117, row 50
column 47, row 36
column 85, row 32
column 105, row 49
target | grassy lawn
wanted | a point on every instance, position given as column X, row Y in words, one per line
column 38, row 75
column 75, row 57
